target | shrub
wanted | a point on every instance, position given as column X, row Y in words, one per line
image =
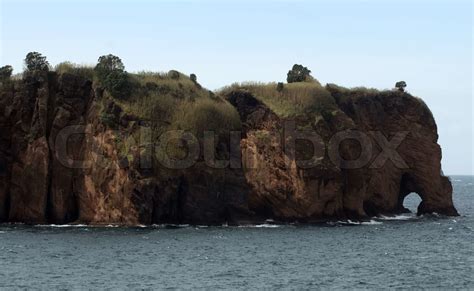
column 280, row 86
column 298, row 74
column 296, row 99
column 5, row 73
column 111, row 74
column 173, row 74
column 206, row 114
column 401, row 86
column 108, row 64
column 117, row 84
column 193, row 78
column 109, row 120
column 86, row 72
column 64, row 67
column 35, row 61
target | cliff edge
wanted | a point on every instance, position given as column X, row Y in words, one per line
column 177, row 153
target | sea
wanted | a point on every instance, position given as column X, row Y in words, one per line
column 404, row 251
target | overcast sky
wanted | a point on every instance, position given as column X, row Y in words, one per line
column 352, row 43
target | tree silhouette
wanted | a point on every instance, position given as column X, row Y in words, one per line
column 298, row 73
column 35, row 61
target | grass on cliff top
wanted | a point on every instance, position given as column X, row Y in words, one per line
column 169, row 100
column 295, row 99
column 183, row 113
column 85, row 71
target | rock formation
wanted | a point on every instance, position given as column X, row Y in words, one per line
column 100, row 184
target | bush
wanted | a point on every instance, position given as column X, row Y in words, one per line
column 298, row 74
column 401, row 86
column 117, row 84
column 296, row 99
column 206, row 114
column 280, row 86
column 5, row 73
column 173, row 74
column 108, row 64
column 109, row 120
column 35, row 61
column 111, row 74
column 193, row 78
column 86, row 72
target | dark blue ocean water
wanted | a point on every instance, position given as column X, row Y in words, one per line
column 405, row 251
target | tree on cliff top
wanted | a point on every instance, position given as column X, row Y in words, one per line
column 298, row 73
column 111, row 74
column 108, row 64
column 5, row 73
column 401, row 86
column 193, row 78
column 35, row 61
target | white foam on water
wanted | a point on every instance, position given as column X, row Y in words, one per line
column 350, row 222
column 169, row 225
column 267, row 225
column 372, row 222
column 62, row 225
column 397, row 217
column 264, row 225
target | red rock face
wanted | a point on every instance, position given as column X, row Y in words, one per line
column 330, row 190
column 37, row 186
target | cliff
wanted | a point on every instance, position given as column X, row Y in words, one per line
column 71, row 153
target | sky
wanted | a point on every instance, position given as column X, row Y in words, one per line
column 351, row 43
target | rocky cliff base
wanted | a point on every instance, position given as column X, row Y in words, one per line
column 39, row 185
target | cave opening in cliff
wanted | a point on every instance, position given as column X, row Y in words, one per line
column 409, row 199
column 412, row 201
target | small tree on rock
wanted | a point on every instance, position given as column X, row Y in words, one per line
column 401, row 86
column 112, row 75
column 108, row 64
column 193, row 78
column 35, row 61
column 280, row 86
column 117, row 84
column 298, row 73
column 5, row 73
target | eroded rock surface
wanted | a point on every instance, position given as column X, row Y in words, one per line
column 37, row 185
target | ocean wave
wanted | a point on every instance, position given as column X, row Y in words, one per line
column 397, row 217
column 169, row 225
column 350, row 222
column 62, row 225
column 264, row 225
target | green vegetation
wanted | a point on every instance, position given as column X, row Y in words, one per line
column 176, row 102
column 35, row 61
column 193, row 78
column 174, row 74
column 5, row 73
column 298, row 74
column 84, row 71
column 401, row 86
column 111, row 74
column 280, row 86
column 294, row 99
